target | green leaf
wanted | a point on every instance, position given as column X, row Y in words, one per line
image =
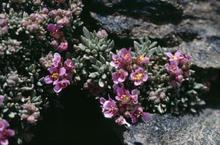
column 136, row 45
column 12, row 115
column 104, row 76
column 95, row 67
column 86, row 33
column 101, row 83
column 85, row 41
column 102, row 59
column 153, row 44
column 92, row 75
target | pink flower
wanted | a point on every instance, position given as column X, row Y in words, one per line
column 63, row 46
column 54, row 30
column 5, row 133
column 138, row 113
column 55, row 74
column 122, row 59
column 60, row 75
column 60, row 85
column 125, row 108
column 142, row 60
column 60, row 16
column 125, row 97
column 109, row 107
column 175, row 72
column 63, row 21
column 125, row 55
column 173, row 69
column 176, row 57
column 146, row 116
column 122, row 95
column 134, row 96
column 102, row 34
column 116, row 62
column 121, row 121
column 185, row 61
column 57, row 60
column 139, row 76
column 68, row 64
column 119, row 76
column 178, row 67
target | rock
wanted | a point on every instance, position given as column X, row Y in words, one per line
column 146, row 9
column 190, row 25
column 203, row 129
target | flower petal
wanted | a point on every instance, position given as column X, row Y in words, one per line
column 57, row 88
column 169, row 54
column 48, row 80
column 62, row 71
column 146, row 116
column 4, row 142
column 102, row 100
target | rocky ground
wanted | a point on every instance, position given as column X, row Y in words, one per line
column 202, row 129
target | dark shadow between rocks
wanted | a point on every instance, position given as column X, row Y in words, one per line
column 156, row 11
column 211, row 78
column 213, row 100
column 80, row 122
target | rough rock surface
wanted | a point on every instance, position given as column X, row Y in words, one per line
column 203, row 129
column 190, row 25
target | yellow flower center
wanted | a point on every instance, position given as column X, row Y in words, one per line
column 127, row 56
column 175, row 58
column 139, row 76
column 55, row 76
column 125, row 97
column 140, row 58
column 112, row 109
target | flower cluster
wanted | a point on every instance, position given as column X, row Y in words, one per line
column 5, row 133
column 61, row 17
column 60, row 73
column 177, row 67
column 124, row 108
column 47, row 61
column 30, row 113
column 129, row 69
column 10, row 46
column 126, row 64
column 3, row 24
column 34, row 22
column 24, row 41
column 57, row 35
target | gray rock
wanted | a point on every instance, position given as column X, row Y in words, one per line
column 203, row 129
column 190, row 25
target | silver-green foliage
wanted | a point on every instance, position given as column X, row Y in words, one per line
column 158, row 95
column 93, row 63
